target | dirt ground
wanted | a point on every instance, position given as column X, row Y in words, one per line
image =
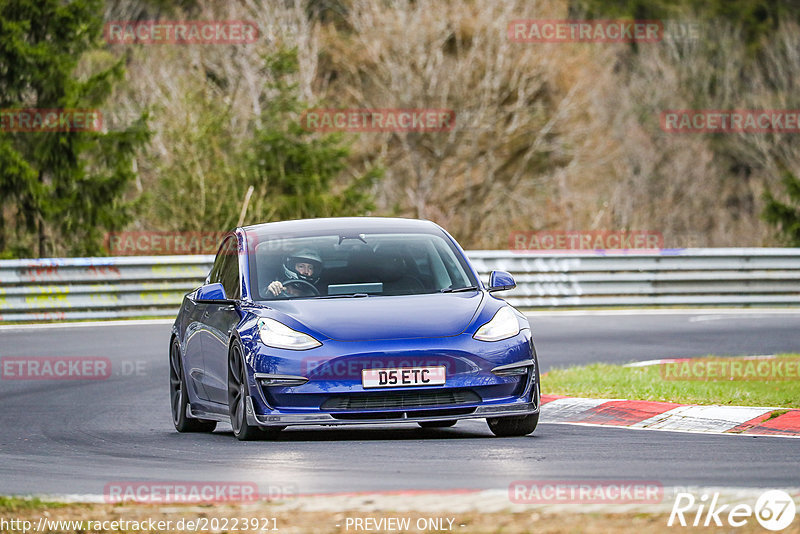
column 273, row 517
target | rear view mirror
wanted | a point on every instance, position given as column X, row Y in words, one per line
column 501, row 281
column 211, row 293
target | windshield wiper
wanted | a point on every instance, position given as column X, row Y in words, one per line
column 458, row 289
column 344, row 295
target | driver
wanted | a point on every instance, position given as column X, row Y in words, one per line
column 304, row 265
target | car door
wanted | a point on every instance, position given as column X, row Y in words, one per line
column 219, row 320
column 193, row 348
column 196, row 329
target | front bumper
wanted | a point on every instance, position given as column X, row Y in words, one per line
column 329, row 391
column 511, row 409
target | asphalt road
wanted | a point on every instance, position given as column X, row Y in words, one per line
column 563, row 340
column 62, row 437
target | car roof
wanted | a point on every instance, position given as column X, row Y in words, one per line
column 343, row 224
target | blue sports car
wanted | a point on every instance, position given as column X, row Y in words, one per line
column 349, row 321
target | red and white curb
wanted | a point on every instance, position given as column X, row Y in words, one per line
column 648, row 415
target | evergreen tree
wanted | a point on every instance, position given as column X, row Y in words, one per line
column 295, row 170
column 59, row 190
column 294, row 173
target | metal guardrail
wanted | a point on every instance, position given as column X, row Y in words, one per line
column 672, row 277
column 104, row 288
column 97, row 288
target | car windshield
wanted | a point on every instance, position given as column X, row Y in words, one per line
column 340, row 266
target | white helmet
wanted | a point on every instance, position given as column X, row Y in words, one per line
column 303, row 256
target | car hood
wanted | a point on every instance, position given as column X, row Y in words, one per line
column 397, row 317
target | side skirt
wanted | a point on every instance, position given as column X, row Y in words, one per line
column 211, row 412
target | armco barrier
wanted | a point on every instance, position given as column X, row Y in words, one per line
column 671, row 277
column 101, row 288
column 97, row 288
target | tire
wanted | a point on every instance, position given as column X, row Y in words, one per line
column 513, row 426
column 237, row 395
column 178, row 397
column 437, row 424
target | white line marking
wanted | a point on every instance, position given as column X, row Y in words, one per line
column 673, row 360
column 126, row 322
column 654, row 362
column 745, row 312
column 723, row 317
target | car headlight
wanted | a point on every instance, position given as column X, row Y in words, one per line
column 503, row 325
column 278, row 335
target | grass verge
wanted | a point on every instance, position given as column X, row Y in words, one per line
column 16, row 504
column 659, row 383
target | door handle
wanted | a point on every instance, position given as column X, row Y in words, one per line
column 206, row 314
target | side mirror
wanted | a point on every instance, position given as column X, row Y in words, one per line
column 501, row 281
column 211, row 293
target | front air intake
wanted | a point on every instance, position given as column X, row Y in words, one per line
column 401, row 400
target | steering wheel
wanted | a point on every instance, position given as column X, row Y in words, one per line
column 302, row 283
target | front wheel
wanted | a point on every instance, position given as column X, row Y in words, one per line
column 237, row 399
column 178, row 398
column 513, row 426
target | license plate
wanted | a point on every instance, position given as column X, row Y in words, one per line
column 404, row 376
